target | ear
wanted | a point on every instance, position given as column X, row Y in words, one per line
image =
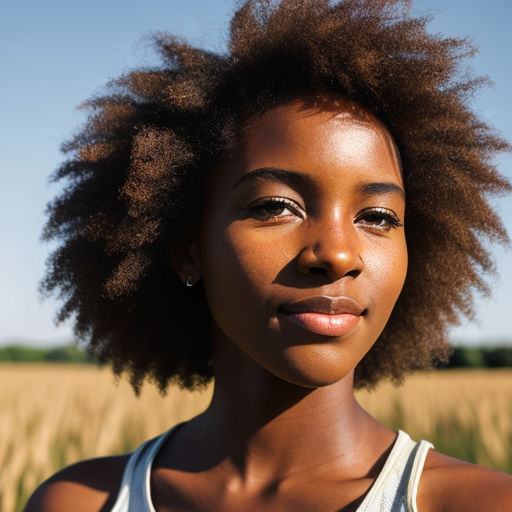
column 184, row 255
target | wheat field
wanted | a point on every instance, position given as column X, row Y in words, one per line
column 53, row 415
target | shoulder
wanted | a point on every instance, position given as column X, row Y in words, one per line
column 87, row 486
column 449, row 484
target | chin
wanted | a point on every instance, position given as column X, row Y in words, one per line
column 324, row 367
column 313, row 380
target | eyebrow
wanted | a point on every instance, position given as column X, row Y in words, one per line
column 373, row 189
column 292, row 178
column 298, row 179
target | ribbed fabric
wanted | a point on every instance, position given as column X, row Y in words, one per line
column 396, row 487
column 394, row 490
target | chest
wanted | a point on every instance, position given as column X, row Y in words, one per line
column 161, row 489
column 177, row 492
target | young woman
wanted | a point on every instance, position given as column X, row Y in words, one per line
column 296, row 218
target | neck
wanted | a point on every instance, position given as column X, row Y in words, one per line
column 264, row 427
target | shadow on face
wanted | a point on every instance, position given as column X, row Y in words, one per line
column 308, row 209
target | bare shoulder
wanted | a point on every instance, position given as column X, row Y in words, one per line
column 449, row 484
column 87, row 486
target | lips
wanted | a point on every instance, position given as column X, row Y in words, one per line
column 328, row 316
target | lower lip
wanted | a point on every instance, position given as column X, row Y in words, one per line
column 327, row 325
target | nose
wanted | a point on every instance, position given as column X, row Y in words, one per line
column 333, row 249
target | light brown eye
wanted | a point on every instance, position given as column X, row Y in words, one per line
column 272, row 208
column 380, row 219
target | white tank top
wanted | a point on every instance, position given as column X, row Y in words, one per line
column 394, row 490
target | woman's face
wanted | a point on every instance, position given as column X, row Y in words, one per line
column 301, row 248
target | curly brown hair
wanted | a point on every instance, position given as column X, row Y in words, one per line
column 136, row 172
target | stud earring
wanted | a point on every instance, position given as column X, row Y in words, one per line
column 189, row 281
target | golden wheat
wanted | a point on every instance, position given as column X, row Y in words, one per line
column 54, row 415
column 465, row 413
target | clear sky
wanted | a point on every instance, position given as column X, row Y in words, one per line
column 57, row 53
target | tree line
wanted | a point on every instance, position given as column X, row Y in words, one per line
column 71, row 353
column 480, row 357
column 462, row 357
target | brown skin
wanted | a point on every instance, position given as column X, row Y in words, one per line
column 283, row 431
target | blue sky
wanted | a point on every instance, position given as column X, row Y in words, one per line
column 55, row 54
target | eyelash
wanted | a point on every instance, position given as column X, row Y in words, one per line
column 267, row 202
column 390, row 219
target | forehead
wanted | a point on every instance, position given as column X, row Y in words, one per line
column 343, row 134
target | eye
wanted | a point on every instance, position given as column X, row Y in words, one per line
column 268, row 208
column 379, row 219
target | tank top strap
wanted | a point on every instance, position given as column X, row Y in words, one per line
column 134, row 494
column 420, row 456
column 394, row 490
column 396, row 487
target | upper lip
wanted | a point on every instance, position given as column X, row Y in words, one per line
column 325, row 305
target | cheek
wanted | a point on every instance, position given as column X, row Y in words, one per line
column 389, row 269
column 238, row 271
